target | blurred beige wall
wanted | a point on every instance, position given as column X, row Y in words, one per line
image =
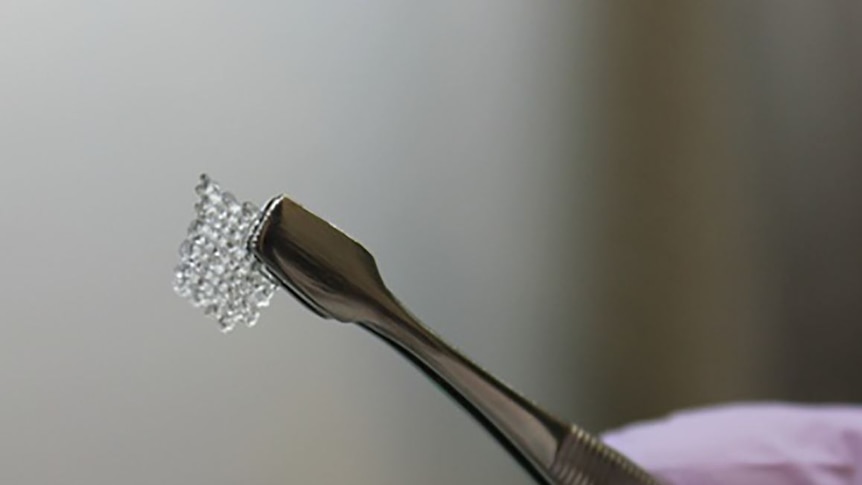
column 728, row 207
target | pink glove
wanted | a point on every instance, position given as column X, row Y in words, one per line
column 754, row 444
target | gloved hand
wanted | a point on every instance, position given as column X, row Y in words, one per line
column 749, row 444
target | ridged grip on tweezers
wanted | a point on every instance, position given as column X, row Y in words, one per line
column 581, row 459
column 337, row 278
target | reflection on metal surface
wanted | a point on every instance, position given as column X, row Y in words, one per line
column 337, row 278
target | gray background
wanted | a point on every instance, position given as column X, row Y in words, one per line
column 619, row 209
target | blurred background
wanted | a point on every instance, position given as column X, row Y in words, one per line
column 620, row 208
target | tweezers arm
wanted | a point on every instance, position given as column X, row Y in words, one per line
column 337, row 278
column 526, row 431
column 552, row 451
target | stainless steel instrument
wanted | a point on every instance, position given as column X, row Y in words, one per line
column 337, row 278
